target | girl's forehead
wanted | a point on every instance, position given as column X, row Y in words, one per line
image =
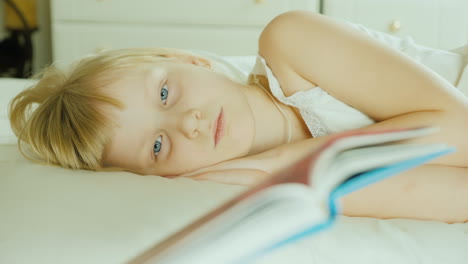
column 138, row 71
column 148, row 70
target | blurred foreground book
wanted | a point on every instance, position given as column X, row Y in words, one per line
column 296, row 202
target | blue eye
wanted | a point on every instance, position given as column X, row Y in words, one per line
column 164, row 94
column 157, row 145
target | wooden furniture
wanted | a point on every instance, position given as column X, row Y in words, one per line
column 232, row 27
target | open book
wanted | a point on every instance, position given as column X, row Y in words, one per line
column 296, row 202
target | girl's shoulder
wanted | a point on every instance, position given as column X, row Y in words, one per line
column 274, row 58
column 271, row 72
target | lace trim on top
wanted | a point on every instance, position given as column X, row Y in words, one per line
column 315, row 125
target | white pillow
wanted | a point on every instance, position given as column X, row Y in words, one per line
column 462, row 83
column 53, row 215
column 448, row 64
column 9, row 88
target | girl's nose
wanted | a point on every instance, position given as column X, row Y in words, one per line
column 190, row 123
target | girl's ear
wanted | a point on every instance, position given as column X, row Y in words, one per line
column 191, row 59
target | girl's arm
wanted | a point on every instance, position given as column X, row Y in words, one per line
column 429, row 192
column 379, row 81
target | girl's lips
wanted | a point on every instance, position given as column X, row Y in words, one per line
column 219, row 127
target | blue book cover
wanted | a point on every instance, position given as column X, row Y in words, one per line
column 350, row 185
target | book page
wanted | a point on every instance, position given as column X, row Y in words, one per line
column 246, row 228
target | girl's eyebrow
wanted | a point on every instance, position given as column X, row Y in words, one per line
column 150, row 84
column 170, row 151
column 145, row 148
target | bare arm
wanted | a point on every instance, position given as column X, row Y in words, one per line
column 393, row 90
column 429, row 192
column 379, row 81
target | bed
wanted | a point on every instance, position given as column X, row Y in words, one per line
column 54, row 215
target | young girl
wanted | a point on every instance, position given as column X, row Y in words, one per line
column 171, row 113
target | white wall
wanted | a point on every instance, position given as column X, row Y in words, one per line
column 41, row 38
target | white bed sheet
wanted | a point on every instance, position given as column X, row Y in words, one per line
column 53, row 215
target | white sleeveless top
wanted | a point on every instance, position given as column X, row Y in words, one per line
column 323, row 113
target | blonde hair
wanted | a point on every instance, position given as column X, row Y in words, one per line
column 59, row 117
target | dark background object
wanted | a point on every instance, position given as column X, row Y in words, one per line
column 16, row 50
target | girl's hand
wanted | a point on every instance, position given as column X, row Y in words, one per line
column 241, row 171
column 246, row 177
column 253, row 169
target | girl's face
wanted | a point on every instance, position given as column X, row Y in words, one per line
column 178, row 117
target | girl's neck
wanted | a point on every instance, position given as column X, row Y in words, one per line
column 271, row 128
